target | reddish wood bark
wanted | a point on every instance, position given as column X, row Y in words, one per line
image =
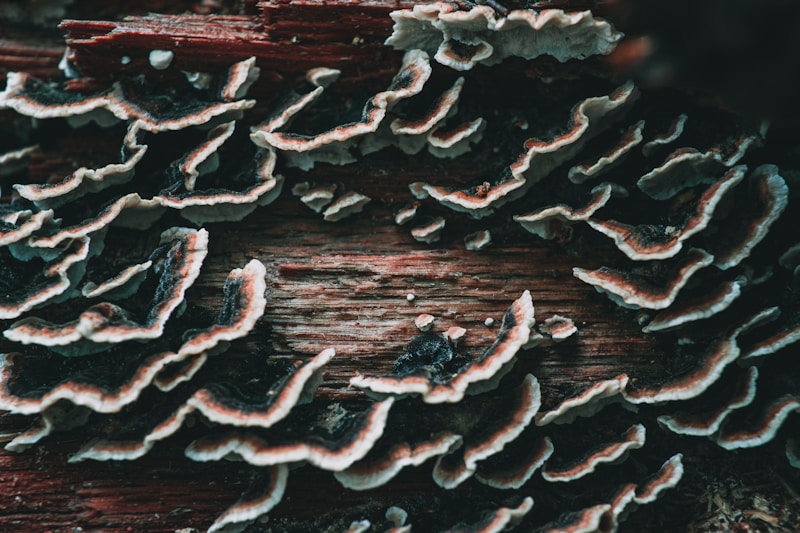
column 343, row 285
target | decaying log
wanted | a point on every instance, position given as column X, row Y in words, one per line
column 361, row 285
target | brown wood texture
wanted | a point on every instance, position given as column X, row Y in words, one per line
column 340, row 285
column 344, row 285
column 37, row 54
column 287, row 38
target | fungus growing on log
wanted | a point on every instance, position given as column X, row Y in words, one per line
column 633, row 438
column 29, row 386
column 691, row 309
column 707, row 422
column 137, row 186
column 260, row 499
column 498, row 520
column 106, row 323
column 328, row 437
column 316, row 198
column 478, row 240
column 408, row 82
column 443, row 106
column 455, row 466
column 669, row 136
column 647, row 242
column 120, row 285
column 710, row 364
column 558, row 327
column 687, row 167
column 637, row 291
column 431, row 368
column 125, row 101
column 460, row 444
column 513, row 476
column 430, row 232
column 461, row 39
column 586, row 171
column 55, row 276
column 344, row 206
column 85, row 180
column 585, row 403
column 539, row 156
column 546, row 222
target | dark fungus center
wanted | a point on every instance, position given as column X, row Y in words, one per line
column 426, row 352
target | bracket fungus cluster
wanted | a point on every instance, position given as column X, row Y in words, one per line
column 673, row 217
column 461, row 39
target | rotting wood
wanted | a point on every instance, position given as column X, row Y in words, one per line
column 345, row 285
column 341, row 285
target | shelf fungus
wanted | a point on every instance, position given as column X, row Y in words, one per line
column 430, row 231
column 347, row 204
column 762, row 428
column 650, row 287
column 15, row 159
column 461, row 39
column 615, row 156
column 569, row 470
column 110, row 379
column 582, row 403
column 330, row 437
column 706, row 422
column 498, row 520
column 316, row 198
column 138, row 183
column 512, row 469
column 647, row 242
column 444, row 105
column 457, row 465
column 558, row 327
column 262, row 496
column 669, row 136
column 623, row 500
column 771, row 197
column 17, row 225
column 711, row 362
column 540, row 156
column 332, row 144
column 551, row 222
column 86, row 180
column 691, row 309
column 433, row 369
column 35, row 282
column 220, row 401
column 120, row 285
column 478, row 240
column 483, row 517
column 106, row 323
column 459, row 444
column 687, row 167
column 768, row 404
column 129, row 99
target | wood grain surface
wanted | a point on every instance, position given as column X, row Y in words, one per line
column 345, row 285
